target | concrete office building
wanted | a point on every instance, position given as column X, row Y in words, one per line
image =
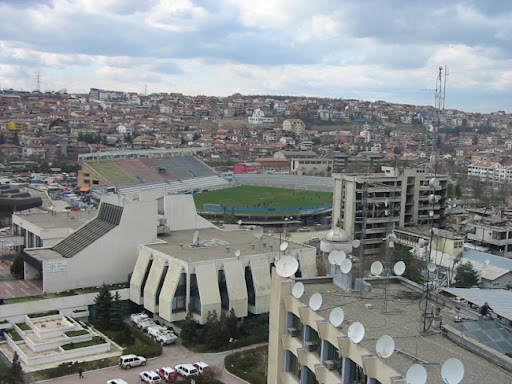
column 306, row 348
column 222, row 270
column 367, row 206
column 109, row 240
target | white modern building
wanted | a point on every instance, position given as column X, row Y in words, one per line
column 210, row 270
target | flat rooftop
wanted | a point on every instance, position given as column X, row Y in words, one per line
column 71, row 219
column 214, row 244
column 400, row 316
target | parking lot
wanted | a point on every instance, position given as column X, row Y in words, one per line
column 172, row 355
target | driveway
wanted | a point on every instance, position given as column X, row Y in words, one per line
column 172, row 355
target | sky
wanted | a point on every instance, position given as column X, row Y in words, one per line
column 352, row 49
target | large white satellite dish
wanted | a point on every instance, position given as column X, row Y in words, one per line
column 385, row 346
column 298, row 290
column 346, row 266
column 376, row 268
column 283, row 246
column 356, row 243
column 434, row 182
column 258, row 232
column 339, row 257
column 422, row 243
column 195, row 238
column 399, row 268
column 416, row 374
column 431, row 267
column 336, row 317
column 356, row 332
column 315, row 301
column 331, row 257
column 237, row 253
column 287, row 266
column 452, row 371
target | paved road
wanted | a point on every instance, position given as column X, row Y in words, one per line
column 171, row 356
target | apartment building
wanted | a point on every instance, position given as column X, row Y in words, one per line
column 368, row 206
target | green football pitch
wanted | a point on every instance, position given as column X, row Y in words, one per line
column 262, row 197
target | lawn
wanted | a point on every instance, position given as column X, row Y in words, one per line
column 262, row 197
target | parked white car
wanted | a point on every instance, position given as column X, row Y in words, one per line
column 116, row 381
column 129, row 361
column 150, row 377
column 186, row 370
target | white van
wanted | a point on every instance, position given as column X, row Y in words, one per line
column 116, row 381
column 128, row 361
column 186, row 370
column 202, row 367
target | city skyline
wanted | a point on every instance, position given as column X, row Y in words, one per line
column 370, row 50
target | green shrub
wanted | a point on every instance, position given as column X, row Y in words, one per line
column 43, row 314
column 248, row 364
column 23, row 326
column 76, row 333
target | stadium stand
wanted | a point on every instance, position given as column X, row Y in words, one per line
column 140, row 170
column 311, row 183
column 111, row 172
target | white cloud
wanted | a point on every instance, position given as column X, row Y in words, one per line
column 356, row 48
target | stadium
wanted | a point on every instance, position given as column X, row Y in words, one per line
column 182, row 171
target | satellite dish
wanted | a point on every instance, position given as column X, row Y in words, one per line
column 385, row 346
column 399, row 268
column 346, row 266
column 298, row 290
column 431, row 267
column 392, row 238
column 452, row 371
column 283, row 246
column 287, row 266
column 336, row 317
column 339, row 257
column 258, row 232
column 416, row 374
column 239, row 222
column 332, row 257
column 376, row 268
column 356, row 243
column 434, row 231
column 195, row 238
column 356, row 332
column 237, row 253
column 487, row 262
column 315, row 301
column 422, row 243
column 434, row 182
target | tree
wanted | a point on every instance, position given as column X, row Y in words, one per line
column 188, row 331
column 232, row 325
column 16, row 372
column 116, row 314
column 466, row 276
column 212, row 331
column 17, row 266
column 103, row 306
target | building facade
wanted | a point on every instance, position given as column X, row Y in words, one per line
column 367, row 207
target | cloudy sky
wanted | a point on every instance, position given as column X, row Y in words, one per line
column 366, row 49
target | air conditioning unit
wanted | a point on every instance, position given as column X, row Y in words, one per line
column 329, row 364
column 310, row 346
column 293, row 331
